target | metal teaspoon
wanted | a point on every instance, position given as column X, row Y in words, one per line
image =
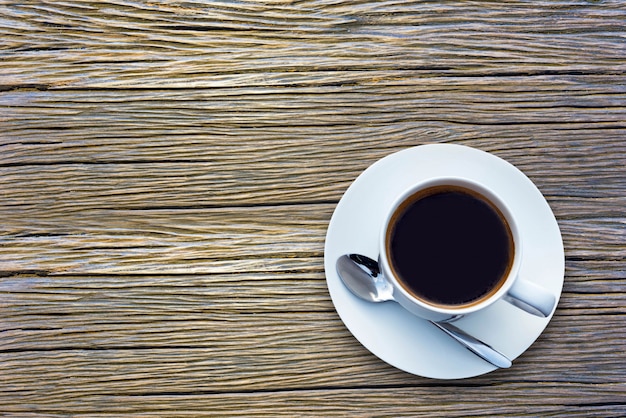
column 362, row 277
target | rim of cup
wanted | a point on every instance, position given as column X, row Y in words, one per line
column 492, row 197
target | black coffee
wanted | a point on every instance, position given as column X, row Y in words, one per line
column 449, row 246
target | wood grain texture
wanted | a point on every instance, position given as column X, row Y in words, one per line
column 208, row 241
column 168, row 171
column 217, row 44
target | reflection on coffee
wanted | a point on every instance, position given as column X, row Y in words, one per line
column 449, row 246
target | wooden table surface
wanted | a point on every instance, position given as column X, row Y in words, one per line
column 168, row 171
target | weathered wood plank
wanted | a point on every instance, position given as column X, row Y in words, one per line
column 548, row 100
column 187, row 148
column 82, row 187
column 100, row 312
column 298, row 129
column 479, row 400
column 255, row 239
column 283, row 353
column 124, row 43
column 251, row 346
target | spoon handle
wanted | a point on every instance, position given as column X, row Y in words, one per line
column 481, row 349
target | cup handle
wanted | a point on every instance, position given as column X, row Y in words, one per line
column 531, row 298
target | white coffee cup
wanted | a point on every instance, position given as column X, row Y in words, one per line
column 510, row 287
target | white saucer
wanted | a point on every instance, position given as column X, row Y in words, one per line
column 402, row 339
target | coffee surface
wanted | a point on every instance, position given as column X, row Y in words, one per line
column 449, row 246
